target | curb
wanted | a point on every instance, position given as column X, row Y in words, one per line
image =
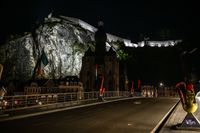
column 162, row 122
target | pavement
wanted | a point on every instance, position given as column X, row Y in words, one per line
column 126, row 116
column 176, row 118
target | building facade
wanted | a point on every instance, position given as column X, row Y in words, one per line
column 68, row 85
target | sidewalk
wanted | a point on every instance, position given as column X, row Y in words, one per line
column 176, row 118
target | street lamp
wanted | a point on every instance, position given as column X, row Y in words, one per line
column 161, row 84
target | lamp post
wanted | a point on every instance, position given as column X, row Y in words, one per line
column 161, row 90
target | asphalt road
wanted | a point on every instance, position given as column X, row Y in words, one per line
column 129, row 116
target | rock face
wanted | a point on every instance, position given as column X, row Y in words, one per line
column 63, row 40
column 17, row 57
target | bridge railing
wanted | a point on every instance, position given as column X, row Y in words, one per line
column 160, row 93
column 40, row 100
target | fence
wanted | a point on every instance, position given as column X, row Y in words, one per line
column 40, row 100
column 150, row 91
column 10, row 103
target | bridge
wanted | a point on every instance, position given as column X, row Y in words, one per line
column 80, row 113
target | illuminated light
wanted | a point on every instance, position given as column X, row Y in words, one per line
column 40, row 103
column 15, row 102
column 141, row 44
column 161, row 84
column 5, row 103
column 172, row 43
column 129, row 124
column 166, row 45
column 128, row 43
column 159, row 43
column 135, row 45
column 152, row 45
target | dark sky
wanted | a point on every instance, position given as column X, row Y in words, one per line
column 125, row 18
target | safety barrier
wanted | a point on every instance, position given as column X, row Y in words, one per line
column 40, row 100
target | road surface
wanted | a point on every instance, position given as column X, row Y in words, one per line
column 129, row 116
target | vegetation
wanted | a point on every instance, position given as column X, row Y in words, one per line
column 122, row 53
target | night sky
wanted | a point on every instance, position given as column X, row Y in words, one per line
column 132, row 19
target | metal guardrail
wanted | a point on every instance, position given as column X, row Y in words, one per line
column 10, row 103
column 38, row 100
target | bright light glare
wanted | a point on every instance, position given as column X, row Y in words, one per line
column 141, row 44
column 161, row 84
column 40, row 103
column 16, row 102
column 159, row 44
column 135, row 45
column 129, row 124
